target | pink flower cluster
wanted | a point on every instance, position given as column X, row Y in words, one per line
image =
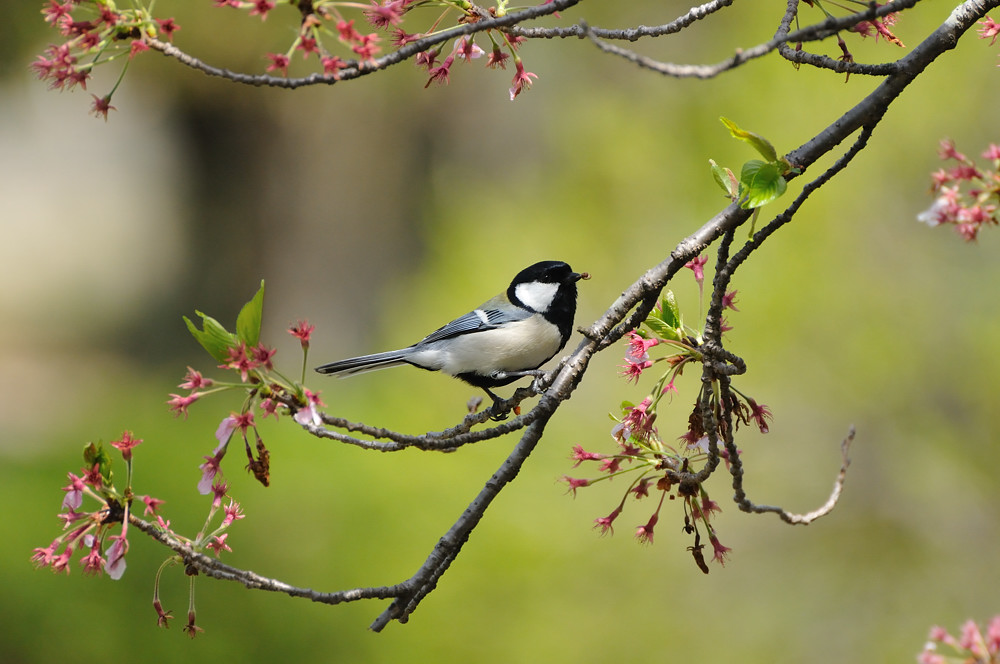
column 98, row 30
column 879, row 27
column 251, row 364
column 100, row 536
column 311, row 31
column 467, row 50
column 86, row 532
column 271, row 393
column 967, row 195
column 970, row 646
column 637, row 356
column 642, row 452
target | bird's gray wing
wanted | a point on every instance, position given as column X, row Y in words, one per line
column 484, row 318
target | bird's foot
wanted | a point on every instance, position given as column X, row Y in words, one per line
column 500, row 410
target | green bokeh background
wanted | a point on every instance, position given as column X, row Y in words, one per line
column 377, row 209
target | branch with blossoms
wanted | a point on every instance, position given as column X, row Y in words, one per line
column 98, row 535
column 674, row 471
column 645, row 314
column 680, row 471
column 95, row 32
column 434, row 35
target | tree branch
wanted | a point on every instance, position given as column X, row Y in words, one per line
column 449, row 546
column 196, row 562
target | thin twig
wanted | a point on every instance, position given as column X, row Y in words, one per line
column 803, row 519
column 811, row 33
column 447, row 440
column 628, row 34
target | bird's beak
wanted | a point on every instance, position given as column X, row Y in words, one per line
column 577, row 276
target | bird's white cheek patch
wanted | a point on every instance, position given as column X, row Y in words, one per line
column 536, row 295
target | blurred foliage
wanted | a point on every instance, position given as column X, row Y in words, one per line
column 379, row 209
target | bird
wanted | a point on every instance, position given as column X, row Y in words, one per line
column 503, row 339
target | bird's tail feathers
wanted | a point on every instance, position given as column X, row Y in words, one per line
column 365, row 363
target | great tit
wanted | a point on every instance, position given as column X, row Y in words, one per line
column 500, row 341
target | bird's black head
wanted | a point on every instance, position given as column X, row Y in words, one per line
column 548, row 287
column 546, row 272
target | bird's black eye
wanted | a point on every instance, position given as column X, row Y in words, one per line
column 556, row 273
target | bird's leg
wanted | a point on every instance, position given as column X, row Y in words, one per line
column 497, row 412
column 500, row 375
column 538, row 374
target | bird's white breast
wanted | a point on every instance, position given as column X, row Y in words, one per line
column 521, row 345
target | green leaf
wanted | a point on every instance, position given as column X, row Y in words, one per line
column 96, row 454
column 661, row 329
column 248, row 322
column 724, row 178
column 759, row 143
column 760, row 183
column 665, row 322
column 671, row 312
column 213, row 337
